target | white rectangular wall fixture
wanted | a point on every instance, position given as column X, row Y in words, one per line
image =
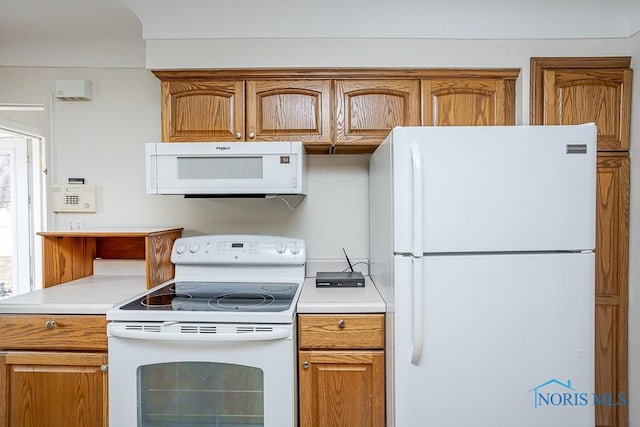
column 74, row 198
column 73, row 90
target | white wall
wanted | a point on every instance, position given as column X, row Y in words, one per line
column 494, row 19
column 102, row 140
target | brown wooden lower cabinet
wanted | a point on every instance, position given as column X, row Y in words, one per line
column 341, row 370
column 341, row 388
column 53, row 389
column 53, row 370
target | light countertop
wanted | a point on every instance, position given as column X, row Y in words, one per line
column 90, row 295
column 109, row 232
column 340, row 300
column 118, row 281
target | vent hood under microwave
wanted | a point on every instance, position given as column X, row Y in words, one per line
column 234, row 169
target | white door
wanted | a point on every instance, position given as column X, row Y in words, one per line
column 504, row 340
column 16, row 239
column 492, row 188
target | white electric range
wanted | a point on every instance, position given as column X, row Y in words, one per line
column 215, row 345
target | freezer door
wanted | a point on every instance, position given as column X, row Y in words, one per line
column 507, row 340
column 511, row 188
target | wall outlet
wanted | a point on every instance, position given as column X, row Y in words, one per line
column 74, row 224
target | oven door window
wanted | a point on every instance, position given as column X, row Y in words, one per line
column 200, row 394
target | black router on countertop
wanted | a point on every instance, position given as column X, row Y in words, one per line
column 347, row 279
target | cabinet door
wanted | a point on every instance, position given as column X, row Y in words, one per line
column 581, row 90
column 288, row 110
column 196, row 110
column 341, row 388
column 468, row 102
column 612, row 258
column 366, row 110
column 42, row 389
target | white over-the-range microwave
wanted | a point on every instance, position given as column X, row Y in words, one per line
column 234, row 169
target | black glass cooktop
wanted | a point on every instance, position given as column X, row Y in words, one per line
column 217, row 296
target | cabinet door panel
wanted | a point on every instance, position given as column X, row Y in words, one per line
column 366, row 110
column 468, row 102
column 55, row 389
column 609, row 348
column 342, row 389
column 569, row 91
column 202, row 111
column 286, row 110
column 612, row 225
column 597, row 96
column 612, row 258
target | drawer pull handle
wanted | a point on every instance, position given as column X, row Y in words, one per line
column 341, row 324
column 305, row 364
column 50, row 324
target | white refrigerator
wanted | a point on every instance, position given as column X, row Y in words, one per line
column 481, row 244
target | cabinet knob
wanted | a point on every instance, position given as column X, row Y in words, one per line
column 341, row 324
column 238, row 135
column 305, row 364
column 50, row 324
column 252, row 135
column 104, row 368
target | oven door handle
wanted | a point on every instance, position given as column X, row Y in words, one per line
column 120, row 331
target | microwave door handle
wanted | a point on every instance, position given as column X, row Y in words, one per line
column 121, row 332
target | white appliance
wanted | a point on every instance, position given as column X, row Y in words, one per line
column 247, row 169
column 214, row 346
column 481, row 243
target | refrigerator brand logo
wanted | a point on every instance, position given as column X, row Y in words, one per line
column 557, row 393
column 223, row 147
column 576, row 148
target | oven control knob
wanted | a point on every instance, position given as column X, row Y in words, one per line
column 180, row 248
column 280, row 248
column 295, row 248
column 194, row 248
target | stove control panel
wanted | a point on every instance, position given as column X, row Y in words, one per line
column 238, row 249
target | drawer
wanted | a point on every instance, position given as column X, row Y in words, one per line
column 53, row 332
column 335, row 331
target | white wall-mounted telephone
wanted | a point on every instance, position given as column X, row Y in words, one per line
column 74, row 198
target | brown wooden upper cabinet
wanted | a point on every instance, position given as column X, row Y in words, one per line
column 568, row 91
column 288, row 110
column 202, row 110
column 468, row 102
column 366, row 110
column 330, row 110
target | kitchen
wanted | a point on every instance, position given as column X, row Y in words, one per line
column 125, row 113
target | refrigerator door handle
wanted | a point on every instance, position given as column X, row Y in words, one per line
column 418, row 208
column 417, row 288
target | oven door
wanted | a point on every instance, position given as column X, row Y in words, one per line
column 201, row 374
